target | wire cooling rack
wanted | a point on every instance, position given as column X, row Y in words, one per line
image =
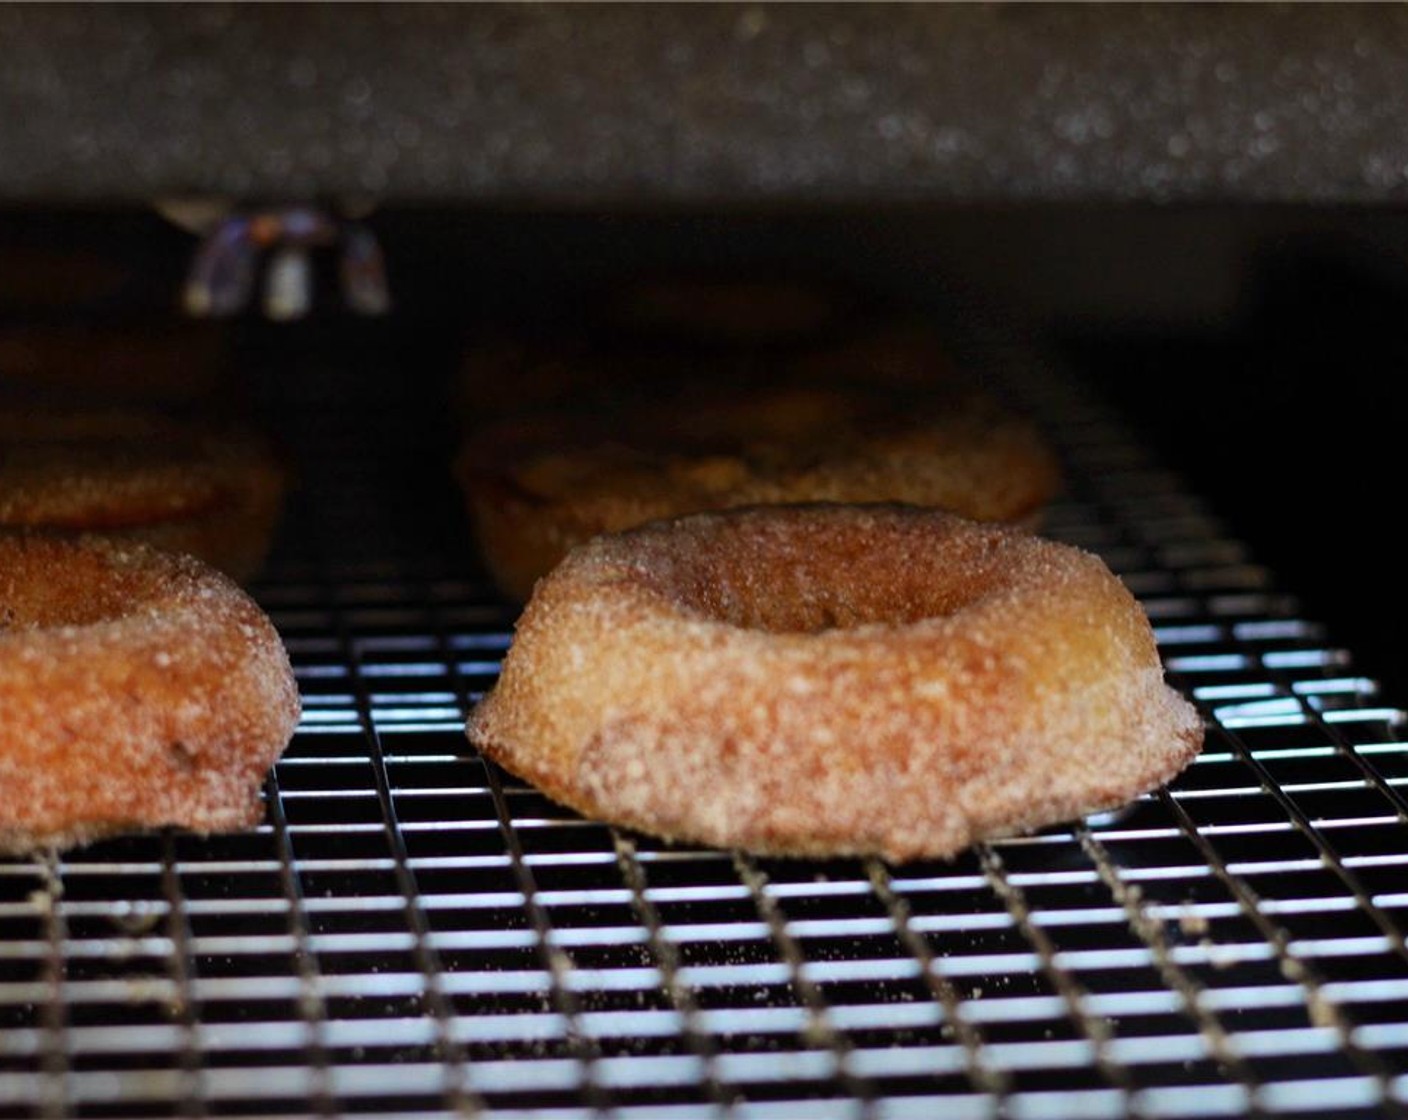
column 416, row 933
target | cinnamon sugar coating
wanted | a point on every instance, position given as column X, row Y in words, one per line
column 137, row 690
column 822, row 680
column 184, row 485
column 541, row 484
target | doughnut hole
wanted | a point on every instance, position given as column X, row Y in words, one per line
column 711, row 312
column 783, row 423
column 47, row 583
column 766, row 414
column 828, row 574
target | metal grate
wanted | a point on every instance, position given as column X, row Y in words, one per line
column 413, row 932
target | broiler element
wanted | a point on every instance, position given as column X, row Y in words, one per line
column 223, row 273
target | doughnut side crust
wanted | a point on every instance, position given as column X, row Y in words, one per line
column 137, row 690
column 1036, row 696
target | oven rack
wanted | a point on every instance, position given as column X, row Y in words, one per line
column 415, row 932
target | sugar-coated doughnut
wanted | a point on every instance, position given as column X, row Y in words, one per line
column 539, row 485
column 821, row 680
column 150, row 364
column 510, row 376
column 184, row 485
column 704, row 310
column 138, row 689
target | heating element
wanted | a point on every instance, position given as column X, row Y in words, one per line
column 414, row 932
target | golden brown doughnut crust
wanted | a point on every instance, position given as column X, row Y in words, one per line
column 137, row 690
column 539, row 486
column 183, row 485
column 824, row 680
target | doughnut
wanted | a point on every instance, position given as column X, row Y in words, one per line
column 183, row 485
column 168, row 365
column 824, row 680
column 506, row 376
column 139, row 689
column 539, row 485
column 38, row 278
column 707, row 310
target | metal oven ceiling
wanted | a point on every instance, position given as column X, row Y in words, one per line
column 673, row 104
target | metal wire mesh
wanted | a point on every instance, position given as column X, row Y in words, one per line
column 414, row 932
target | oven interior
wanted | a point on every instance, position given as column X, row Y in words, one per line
column 414, row 932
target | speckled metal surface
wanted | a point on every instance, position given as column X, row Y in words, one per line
column 745, row 104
